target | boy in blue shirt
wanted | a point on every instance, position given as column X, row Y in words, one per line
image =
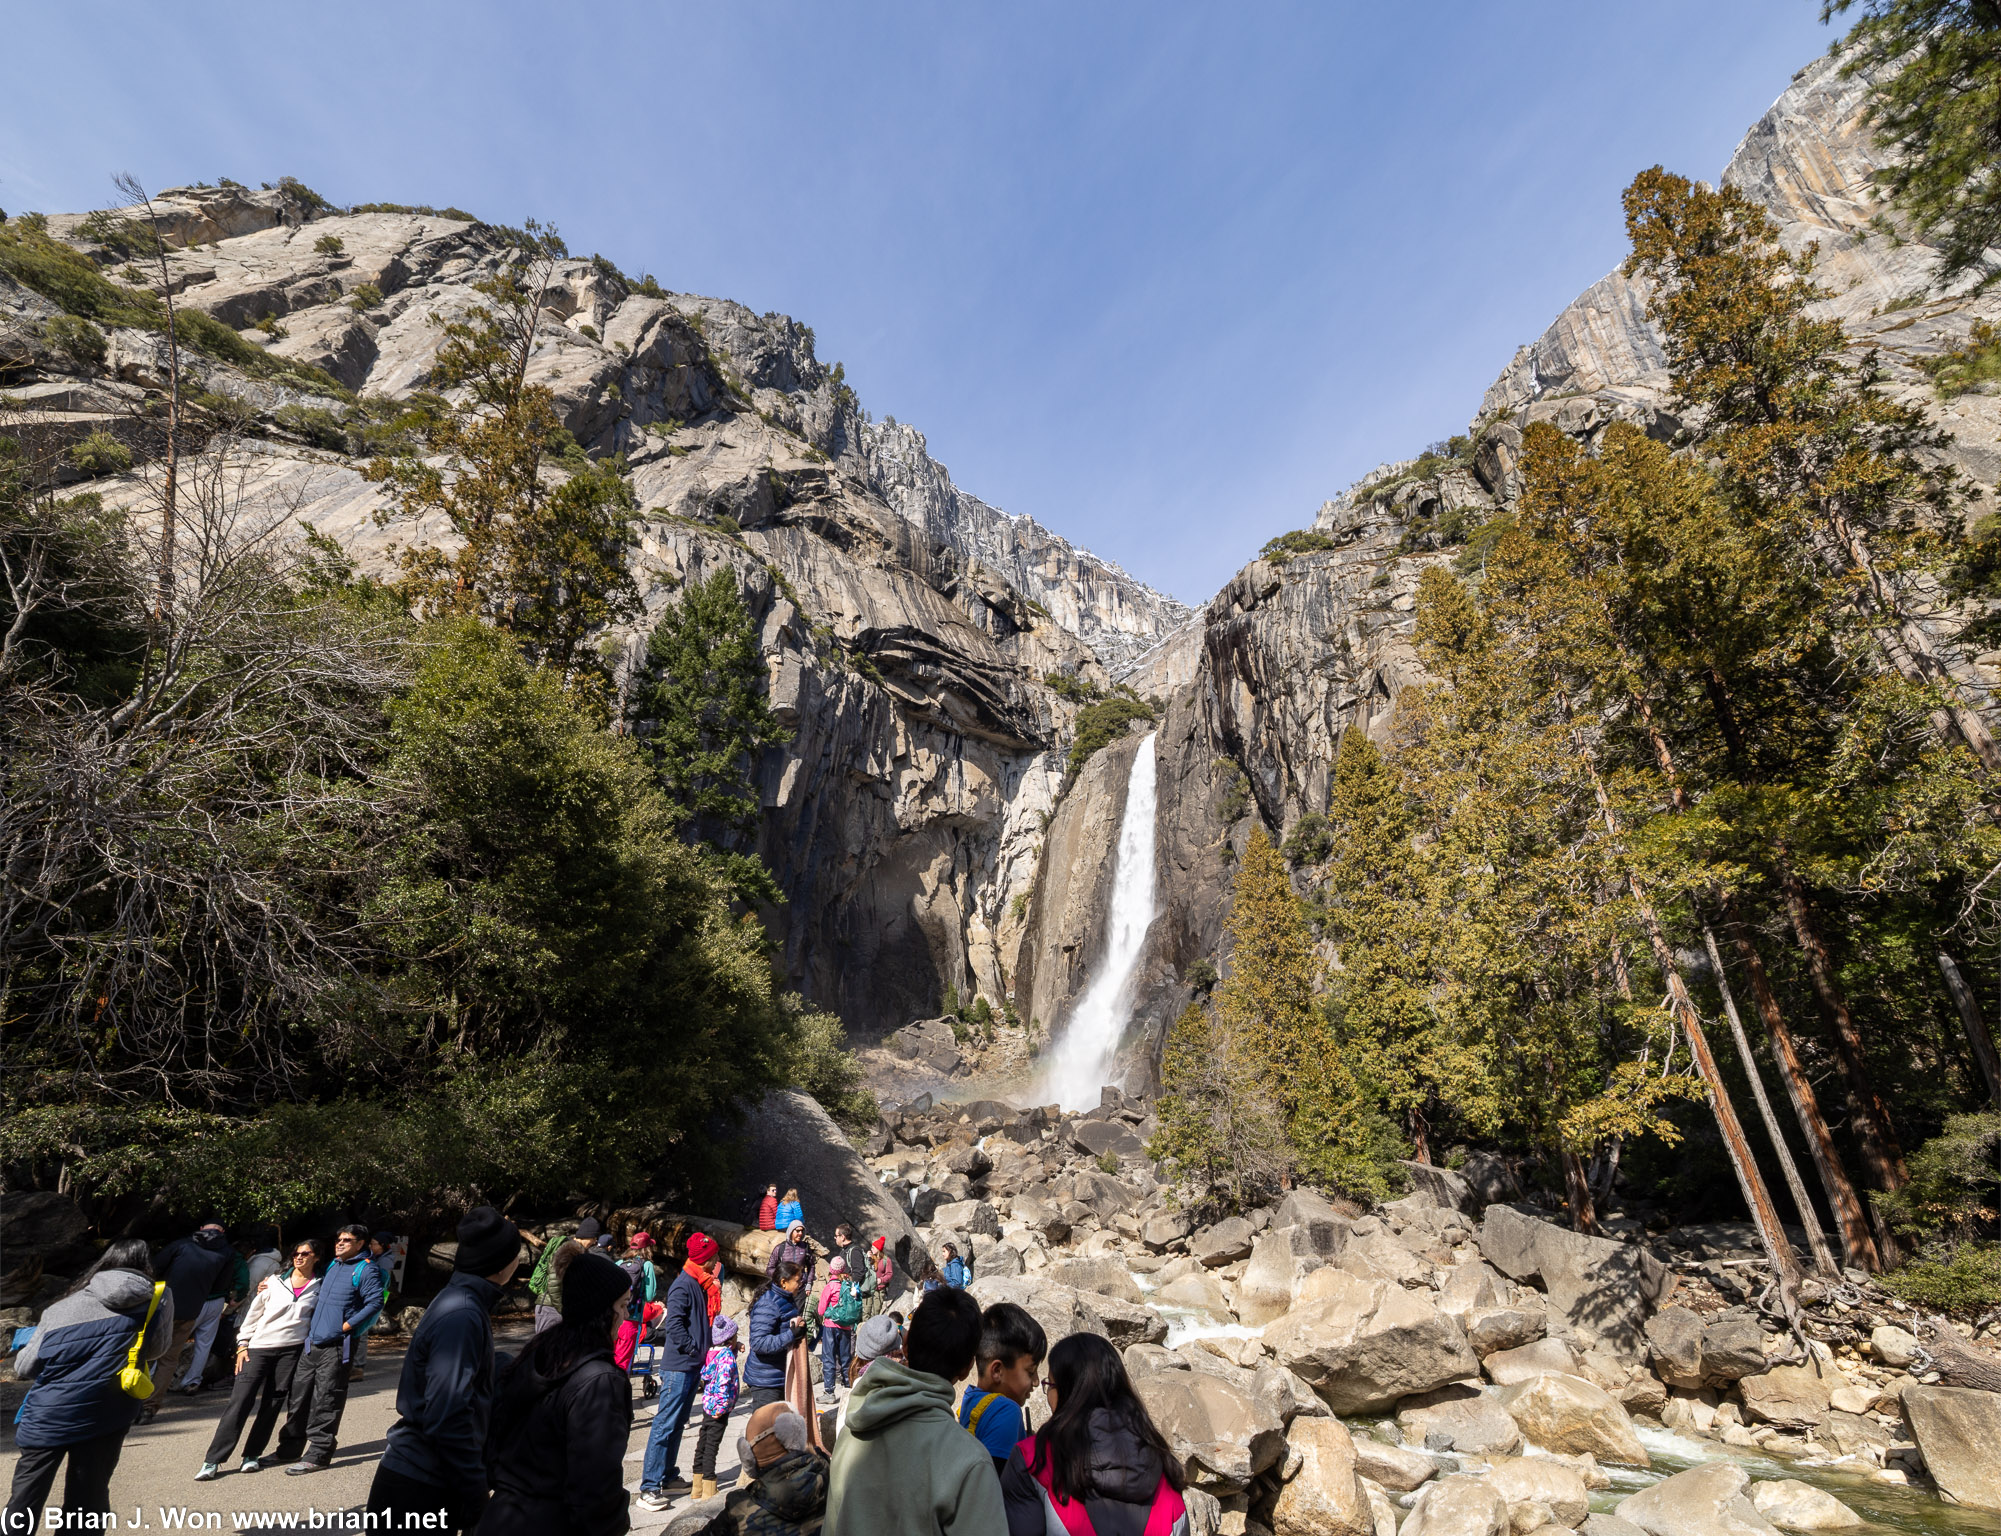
column 1012, row 1345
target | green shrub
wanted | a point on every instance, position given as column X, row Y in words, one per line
column 589, row 330
column 1951, row 1196
column 1235, row 799
column 300, row 193
column 1068, row 685
column 330, row 245
column 1109, row 1164
column 1202, row 976
column 1102, row 724
column 1965, row 1280
column 121, row 233
column 1966, row 368
column 316, row 424
column 77, row 339
column 1311, row 841
column 982, row 1014
column 1301, row 541
column 100, row 454
column 365, row 297
column 951, row 1008
column 1018, row 908
column 424, row 209
column 821, row 1064
column 270, row 327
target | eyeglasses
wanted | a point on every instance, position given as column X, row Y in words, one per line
column 304, row 1253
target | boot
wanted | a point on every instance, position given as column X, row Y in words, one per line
column 705, row 1488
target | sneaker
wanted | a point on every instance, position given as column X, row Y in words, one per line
column 302, row 1467
column 653, row 1499
column 677, row 1484
column 209, row 1472
column 252, row 1465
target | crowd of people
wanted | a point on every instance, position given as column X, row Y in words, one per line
column 927, row 1415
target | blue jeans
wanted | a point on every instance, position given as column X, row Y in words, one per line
column 837, row 1348
column 678, row 1391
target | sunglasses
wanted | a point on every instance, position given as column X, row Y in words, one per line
column 303, row 1253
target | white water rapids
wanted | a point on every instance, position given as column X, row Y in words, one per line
column 1081, row 1063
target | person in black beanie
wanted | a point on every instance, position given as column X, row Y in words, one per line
column 561, row 1417
column 435, row 1462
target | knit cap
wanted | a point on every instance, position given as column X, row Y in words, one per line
column 588, row 1229
column 876, row 1337
column 701, row 1248
column 487, row 1240
column 592, row 1285
column 722, row 1330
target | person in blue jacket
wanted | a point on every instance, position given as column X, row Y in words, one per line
column 350, row 1297
column 790, row 1210
column 687, row 1333
column 956, row 1272
column 75, row 1409
column 775, row 1325
column 435, row 1462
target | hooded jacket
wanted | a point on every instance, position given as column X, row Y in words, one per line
column 275, row 1318
column 76, row 1354
column 350, row 1293
column 445, row 1394
column 1124, row 1476
column 686, row 1330
column 904, row 1467
column 195, row 1268
column 558, row 1450
column 788, row 1498
column 767, row 1338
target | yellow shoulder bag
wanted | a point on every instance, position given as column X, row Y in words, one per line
column 135, row 1380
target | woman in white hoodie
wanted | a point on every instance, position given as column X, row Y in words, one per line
column 269, row 1341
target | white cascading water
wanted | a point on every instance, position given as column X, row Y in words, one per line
column 1081, row 1063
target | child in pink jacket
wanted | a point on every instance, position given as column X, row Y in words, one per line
column 840, row 1309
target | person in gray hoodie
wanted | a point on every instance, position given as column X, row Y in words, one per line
column 75, row 1410
column 902, row 1465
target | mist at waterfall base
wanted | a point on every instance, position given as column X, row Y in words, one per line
column 1081, row 1063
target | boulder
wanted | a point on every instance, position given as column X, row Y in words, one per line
column 1104, row 1196
column 1363, row 1345
column 1325, row 1497
column 1604, row 1289
column 1325, row 1228
column 1733, row 1347
column 1279, row 1258
column 1895, row 1347
column 1102, row 1276
column 1095, row 1138
column 1506, row 1367
column 1285, row 1394
column 929, row 1045
column 1608, row 1525
column 1472, row 1286
column 1061, row 1310
column 40, row 1226
column 1384, row 1512
column 1200, row 1292
column 1674, row 1345
column 1958, row 1430
column 1469, row 1425
column 1796, row 1506
column 1568, row 1414
column 795, row 1143
column 1225, row 1243
column 1457, row 1506
column 1492, row 1329
column 967, row 1158
column 1538, row 1480
column 1395, row 1467
column 1708, row 1500
column 1123, row 1322
column 967, row 1217
column 1789, row 1396
column 1379, row 1256
column 1441, row 1187
column 1219, row 1431
column 1165, row 1228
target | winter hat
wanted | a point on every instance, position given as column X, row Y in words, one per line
column 878, row 1245
column 722, row 1330
column 877, row 1337
column 701, row 1248
column 487, row 1240
column 799, row 1227
column 588, row 1229
column 386, row 1238
column 592, row 1285
column 838, row 1267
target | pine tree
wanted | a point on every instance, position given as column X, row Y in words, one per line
column 540, row 554
column 702, row 713
column 1219, row 1129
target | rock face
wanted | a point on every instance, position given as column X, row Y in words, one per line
column 798, row 1145
column 1958, row 1429
column 1363, row 1345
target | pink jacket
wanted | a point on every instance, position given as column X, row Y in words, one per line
column 829, row 1294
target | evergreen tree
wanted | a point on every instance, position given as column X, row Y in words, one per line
column 704, row 718
column 1218, row 1126
column 542, row 529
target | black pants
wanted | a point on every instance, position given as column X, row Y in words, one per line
column 314, row 1406
column 708, row 1443
column 758, row 1397
column 416, row 1506
column 86, row 1485
column 265, row 1382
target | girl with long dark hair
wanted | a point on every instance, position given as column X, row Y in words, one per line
column 775, row 1325
column 1099, row 1467
column 561, row 1416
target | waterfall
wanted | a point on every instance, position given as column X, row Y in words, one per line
column 1081, row 1063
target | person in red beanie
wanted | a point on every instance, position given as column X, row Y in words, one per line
column 693, row 1301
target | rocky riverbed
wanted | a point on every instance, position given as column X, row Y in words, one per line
column 1453, row 1363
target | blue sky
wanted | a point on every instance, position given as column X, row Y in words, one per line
column 1164, row 275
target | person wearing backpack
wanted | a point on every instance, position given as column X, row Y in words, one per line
column 89, row 1363
column 1099, row 1463
column 840, row 1309
column 269, row 1344
column 644, row 1275
column 349, row 1301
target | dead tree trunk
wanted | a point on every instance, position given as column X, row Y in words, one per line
column 1976, row 1026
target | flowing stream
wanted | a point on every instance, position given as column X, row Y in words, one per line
column 1081, row 1063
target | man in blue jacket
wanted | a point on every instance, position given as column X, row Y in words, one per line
column 435, row 1463
column 350, row 1296
column 687, row 1330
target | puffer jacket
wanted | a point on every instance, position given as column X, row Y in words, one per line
column 76, row 1355
column 768, row 1337
column 1125, row 1476
column 557, row 1455
column 275, row 1318
column 788, row 1498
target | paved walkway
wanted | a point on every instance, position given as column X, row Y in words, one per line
column 156, row 1474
